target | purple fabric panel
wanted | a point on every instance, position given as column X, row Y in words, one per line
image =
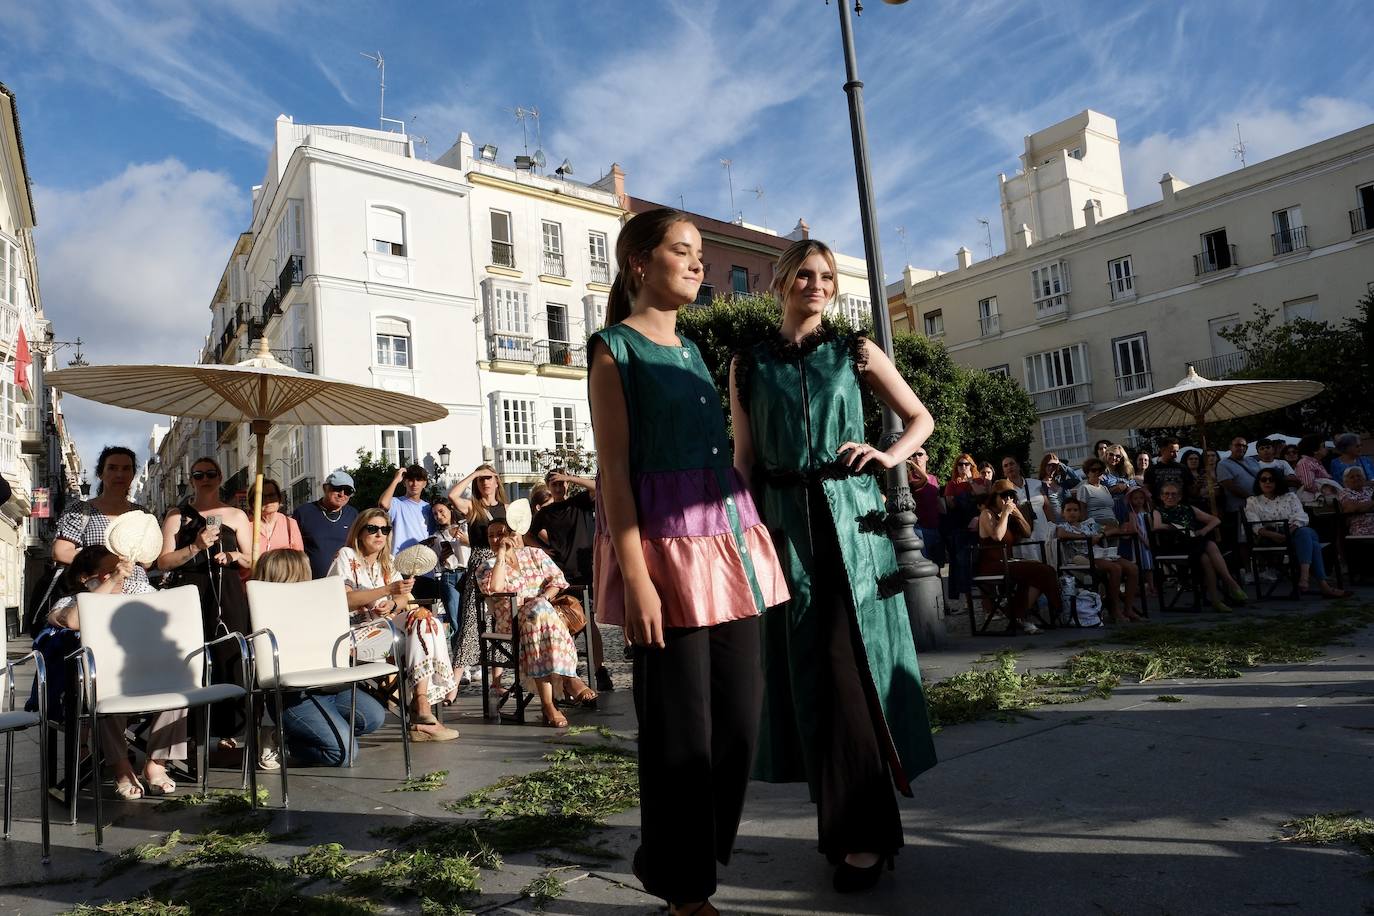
column 678, row 504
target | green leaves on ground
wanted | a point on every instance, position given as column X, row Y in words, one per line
column 220, row 802
column 543, row 889
column 1334, row 828
column 429, row 782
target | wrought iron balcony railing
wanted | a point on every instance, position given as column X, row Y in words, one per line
column 293, row 274
column 510, row 347
column 1292, row 239
column 1222, row 257
column 560, row 353
column 502, row 254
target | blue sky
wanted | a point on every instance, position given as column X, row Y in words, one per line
column 146, row 123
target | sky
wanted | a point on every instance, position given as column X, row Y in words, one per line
column 146, row 124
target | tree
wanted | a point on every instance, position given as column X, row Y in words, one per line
column 372, row 474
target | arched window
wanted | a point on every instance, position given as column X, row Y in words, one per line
column 386, row 229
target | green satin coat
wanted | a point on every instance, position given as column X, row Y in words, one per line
column 804, row 402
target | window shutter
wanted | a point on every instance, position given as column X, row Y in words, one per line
column 393, row 326
column 387, row 226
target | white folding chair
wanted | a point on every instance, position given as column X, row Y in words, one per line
column 303, row 626
column 145, row 654
column 14, row 720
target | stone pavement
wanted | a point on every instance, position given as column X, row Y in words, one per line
column 1117, row 806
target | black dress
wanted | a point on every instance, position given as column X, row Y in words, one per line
column 223, row 609
column 465, row 654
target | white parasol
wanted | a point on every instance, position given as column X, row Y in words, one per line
column 259, row 390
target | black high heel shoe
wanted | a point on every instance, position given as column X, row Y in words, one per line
column 850, row 879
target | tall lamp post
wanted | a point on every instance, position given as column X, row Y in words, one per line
column 921, row 578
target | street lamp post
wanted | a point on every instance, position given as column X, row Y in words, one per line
column 921, row 583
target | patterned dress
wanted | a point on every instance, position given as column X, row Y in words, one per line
column 84, row 525
column 426, row 656
column 546, row 647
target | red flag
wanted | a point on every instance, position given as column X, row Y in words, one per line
column 22, row 360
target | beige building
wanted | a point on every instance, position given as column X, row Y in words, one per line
column 1094, row 304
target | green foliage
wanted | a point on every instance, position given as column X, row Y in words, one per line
column 1337, row 827
column 974, row 411
column 577, row 460
column 428, row 782
column 543, row 889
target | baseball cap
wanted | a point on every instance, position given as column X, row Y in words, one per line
column 339, row 479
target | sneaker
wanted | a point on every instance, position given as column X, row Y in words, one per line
column 603, row 679
column 1030, row 629
column 269, row 758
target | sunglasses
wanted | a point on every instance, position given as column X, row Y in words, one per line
column 484, row 477
column 204, row 475
column 965, row 464
column 377, row 529
column 346, row 491
column 1007, row 495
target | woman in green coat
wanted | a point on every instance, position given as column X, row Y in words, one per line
column 843, row 709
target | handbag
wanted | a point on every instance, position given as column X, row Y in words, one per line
column 570, row 609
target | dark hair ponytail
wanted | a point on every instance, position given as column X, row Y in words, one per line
column 638, row 237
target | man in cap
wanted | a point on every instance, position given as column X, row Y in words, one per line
column 410, row 519
column 325, row 522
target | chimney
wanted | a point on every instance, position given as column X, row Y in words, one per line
column 1090, row 213
column 614, row 182
column 1023, row 237
column 799, row 231
column 964, row 257
column 1170, row 186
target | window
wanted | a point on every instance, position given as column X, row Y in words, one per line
column 1131, row 359
column 553, row 249
column 556, row 320
column 1215, row 328
column 387, row 229
column 393, row 343
column 855, row 309
column 594, row 313
column 1065, row 435
column 1049, row 284
column 9, row 272
column 935, row 323
column 600, row 261
column 705, row 295
column 1216, row 254
column 1076, row 153
column 502, row 242
column 517, row 423
column 291, row 232
column 739, row 281
column 1003, row 370
column 1362, row 217
column 295, row 454
column 989, row 322
column 398, row 445
column 1059, row 378
column 1305, row 308
column 509, row 310
column 564, row 426
column 1120, row 278
column 1289, row 232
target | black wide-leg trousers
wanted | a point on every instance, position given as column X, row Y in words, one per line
column 698, row 702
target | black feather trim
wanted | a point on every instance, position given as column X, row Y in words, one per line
column 891, row 584
column 874, row 522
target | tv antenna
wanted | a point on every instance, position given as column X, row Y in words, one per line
column 382, row 119
column 523, row 114
column 730, row 178
column 763, row 204
column 901, row 234
column 987, row 228
column 1239, row 149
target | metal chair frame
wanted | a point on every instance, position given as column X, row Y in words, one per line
column 997, row 588
column 1183, row 568
column 39, row 719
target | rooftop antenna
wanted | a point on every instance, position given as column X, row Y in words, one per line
column 1239, row 148
column 729, row 177
column 758, row 195
column 987, row 228
column 523, row 114
column 382, row 119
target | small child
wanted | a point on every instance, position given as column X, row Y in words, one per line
column 1074, row 534
column 1138, row 509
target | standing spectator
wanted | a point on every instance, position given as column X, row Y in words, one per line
column 961, row 508
column 487, row 493
column 1264, row 453
column 324, row 523
column 987, row 473
column 1348, row 455
column 450, row 544
column 540, row 496
column 1119, row 466
column 411, row 519
column 925, row 490
column 1031, row 500
column 1293, row 453
column 1101, row 447
column 1168, row 470
column 1313, row 479
column 1142, row 464
column 1057, row 479
column 1274, row 502
column 1235, row 482
column 565, row 529
column 276, row 529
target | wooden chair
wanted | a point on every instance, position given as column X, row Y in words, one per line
column 302, row 627
column 500, row 649
column 14, row 720
column 1176, row 562
column 995, row 590
column 1269, row 554
column 146, row 653
column 1355, row 550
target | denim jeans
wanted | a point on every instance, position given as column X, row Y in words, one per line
column 932, row 545
column 450, row 589
column 314, row 724
column 1308, row 547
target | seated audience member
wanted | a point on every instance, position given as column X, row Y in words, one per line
column 314, row 722
column 1291, row 454
column 1168, row 469
column 1313, row 480
column 1357, row 500
column 1031, row 500
column 548, row 656
column 1348, row 455
column 95, row 569
column 1206, row 492
column 1076, row 533
column 1273, row 502
column 1265, row 457
column 1000, row 523
column 375, row 591
column 1095, row 498
column 1181, row 528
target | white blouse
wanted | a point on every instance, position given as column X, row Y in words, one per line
column 1285, row 508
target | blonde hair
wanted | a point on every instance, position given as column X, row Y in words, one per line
column 478, row 513
column 356, row 532
column 282, row 565
column 790, row 264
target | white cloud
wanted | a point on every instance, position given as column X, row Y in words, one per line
column 1207, row 150
column 130, row 266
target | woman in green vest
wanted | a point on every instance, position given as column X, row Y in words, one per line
column 843, row 708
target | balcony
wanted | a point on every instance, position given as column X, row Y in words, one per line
column 1060, row 398
column 1221, row 257
column 30, row 425
column 706, row 294
column 1224, row 366
column 601, row 272
column 271, row 306
column 293, row 274
column 1121, row 288
column 9, row 454
column 560, row 355
column 510, row 348
column 1052, row 307
column 503, row 254
column 1361, row 220
column 515, row 461
column 1133, row 386
column 990, row 325
column 553, row 265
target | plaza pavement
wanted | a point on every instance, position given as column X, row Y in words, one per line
column 1119, row 806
